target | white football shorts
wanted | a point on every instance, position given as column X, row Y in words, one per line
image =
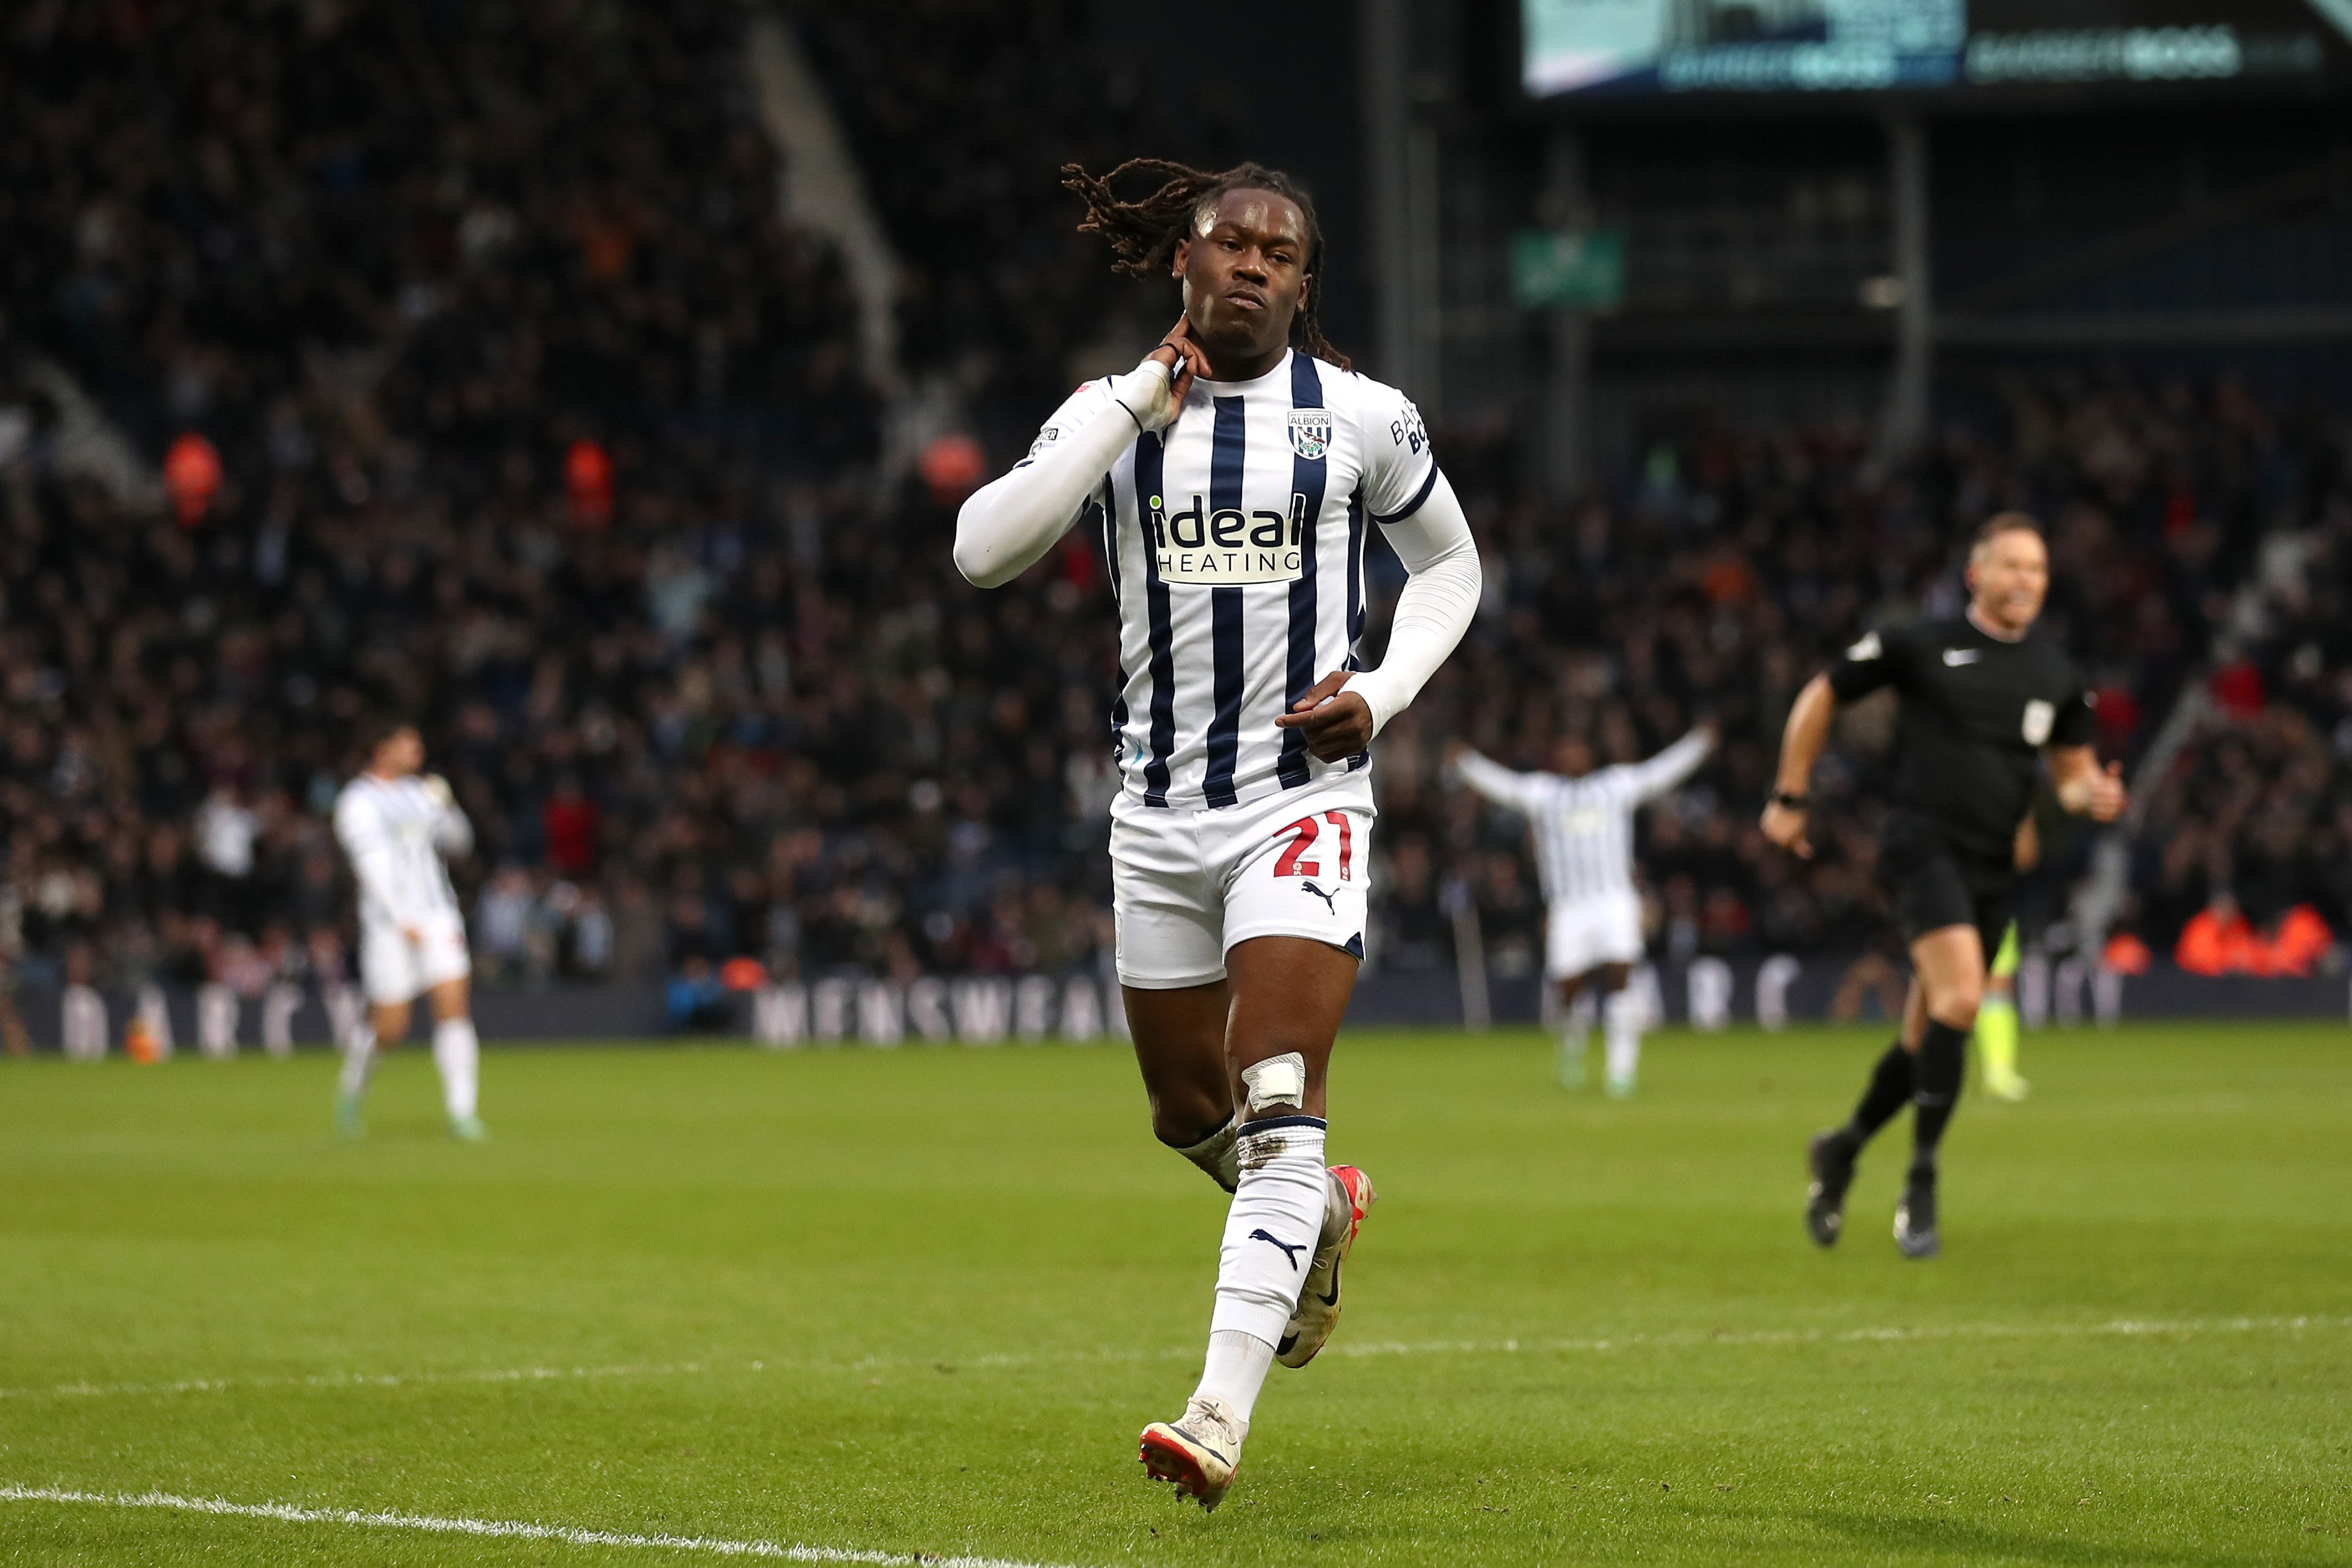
column 1582, row 934
column 394, row 969
column 1188, row 885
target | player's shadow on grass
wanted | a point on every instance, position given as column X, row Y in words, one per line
column 1963, row 1541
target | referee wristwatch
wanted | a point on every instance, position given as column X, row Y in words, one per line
column 1791, row 800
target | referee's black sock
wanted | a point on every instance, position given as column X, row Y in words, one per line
column 1891, row 1087
column 1942, row 1053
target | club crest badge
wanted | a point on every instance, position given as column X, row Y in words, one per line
column 2039, row 717
column 1310, row 433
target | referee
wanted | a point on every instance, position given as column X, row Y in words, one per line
column 1981, row 696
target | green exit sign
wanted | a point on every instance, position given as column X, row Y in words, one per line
column 1565, row 270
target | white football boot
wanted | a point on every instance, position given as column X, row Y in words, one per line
column 1198, row 1453
column 1318, row 1298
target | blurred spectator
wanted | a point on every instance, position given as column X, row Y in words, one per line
column 693, row 998
column 592, row 956
column 638, row 950
column 568, row 827
column 2219, row 940
column 502, row 918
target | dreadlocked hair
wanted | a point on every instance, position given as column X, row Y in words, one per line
column 1143, row 234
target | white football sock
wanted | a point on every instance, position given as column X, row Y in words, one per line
column 1578, row 1022
column 1622, row 1016
column 457, row 1053
column 1271, row 1229
column 1215, row 1155
column 358, row 1060
column 1575, row 1026
column 1235, row 1371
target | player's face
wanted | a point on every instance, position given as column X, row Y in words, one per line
column 1244, row 272
column 1571, row 758
column 2008, row 577
column 402, row 754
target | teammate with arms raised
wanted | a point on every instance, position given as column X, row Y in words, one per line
column 1983, row 700
column 396, row 827
column 1235, row 475
column 1582, row 824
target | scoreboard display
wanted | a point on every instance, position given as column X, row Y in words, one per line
column 1635, row 48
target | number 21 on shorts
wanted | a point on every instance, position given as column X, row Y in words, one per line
column 1304, row 832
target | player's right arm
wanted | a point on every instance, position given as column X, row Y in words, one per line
column 1492, row 780
column 1006, row 526
column 375, row 861
column 1869, row 664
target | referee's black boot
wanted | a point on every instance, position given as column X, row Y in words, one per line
column 1830, row 1158
column 1915, row 1216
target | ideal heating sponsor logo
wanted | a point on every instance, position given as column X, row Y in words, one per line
column 1229, row 546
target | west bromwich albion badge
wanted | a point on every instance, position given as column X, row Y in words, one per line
column 1310, row 433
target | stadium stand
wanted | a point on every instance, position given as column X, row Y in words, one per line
column 1729, row 565
column 577, row 470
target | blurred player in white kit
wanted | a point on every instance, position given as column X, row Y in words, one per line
column 396, row 827
column 1583, row 822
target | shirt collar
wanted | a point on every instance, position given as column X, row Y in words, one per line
column 1969, row 615
column 1278, row 375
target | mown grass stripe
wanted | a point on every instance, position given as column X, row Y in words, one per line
column 2120, row 1327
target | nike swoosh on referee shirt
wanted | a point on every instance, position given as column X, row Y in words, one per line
column 1957, row 657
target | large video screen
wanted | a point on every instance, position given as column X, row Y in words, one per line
column 1594, row 48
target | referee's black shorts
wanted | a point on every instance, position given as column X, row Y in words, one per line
column 1931, row 883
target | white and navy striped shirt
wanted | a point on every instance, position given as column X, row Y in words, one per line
column 396, row 831
column 1584, row 828
column 1235, row 540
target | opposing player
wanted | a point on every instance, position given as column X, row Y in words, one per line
column 1582, row 824
column 396, row 827
column 1234, row 474
column 1983, row 701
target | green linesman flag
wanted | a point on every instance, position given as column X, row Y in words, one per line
column 1568, row 270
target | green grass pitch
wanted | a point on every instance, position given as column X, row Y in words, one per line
column 921, row 1301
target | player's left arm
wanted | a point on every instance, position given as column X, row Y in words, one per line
column 2086, row 789
column 1419, row 513
column 1669, row 767
column 1345, row 708
column 2083, row 788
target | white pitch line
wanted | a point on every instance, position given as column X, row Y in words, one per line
column 364, row 1380
column 2121, row 1327
column 504, row 1529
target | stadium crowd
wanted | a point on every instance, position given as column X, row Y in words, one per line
column 2189, row 527
column 488, row 386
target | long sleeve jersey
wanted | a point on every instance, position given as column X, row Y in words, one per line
column 396, row 832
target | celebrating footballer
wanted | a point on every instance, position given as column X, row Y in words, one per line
column 1235, row 474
